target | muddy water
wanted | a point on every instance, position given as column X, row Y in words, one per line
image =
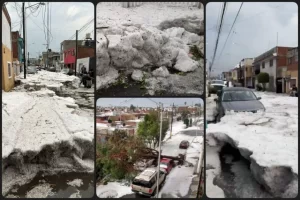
column 58, row 186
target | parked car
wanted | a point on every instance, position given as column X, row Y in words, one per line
column 238, row 99
column 52, row 69
column 31, row 70
column 166, row 164
column 184, row 144
column 146, row 182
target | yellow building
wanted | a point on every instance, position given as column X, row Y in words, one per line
column 8, row 79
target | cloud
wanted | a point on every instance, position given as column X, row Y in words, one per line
column 72, row 11
column 66, row 18
column 255, row 31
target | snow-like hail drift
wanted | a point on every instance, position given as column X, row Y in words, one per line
column 155, row 54
column 268, row 140
column 43, row 132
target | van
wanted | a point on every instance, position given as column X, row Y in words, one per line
column 146, row 184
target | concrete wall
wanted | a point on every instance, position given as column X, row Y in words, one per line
column 271, row 70
column 7, row 57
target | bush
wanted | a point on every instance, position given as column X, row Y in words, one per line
column 263, row 78
column 110, row 121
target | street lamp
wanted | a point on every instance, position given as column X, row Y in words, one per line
column 25, row 35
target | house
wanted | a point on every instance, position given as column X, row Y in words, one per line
column 50, row 58
column 291, row 75
column 273, row 62
column 68, row 52
column 17, row 47
column 246, row 65
column 8, row 78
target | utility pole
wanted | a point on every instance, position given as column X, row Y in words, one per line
column 76, row 52
column 28, row 58
column 171, row 121
column 159, row 150
column 24, row 52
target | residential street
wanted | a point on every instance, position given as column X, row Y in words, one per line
column 43, row 131
column 179, row 181
column 254, row 155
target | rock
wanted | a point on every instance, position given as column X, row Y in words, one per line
column 184, row 63
column 162, row 72
column 137, row 75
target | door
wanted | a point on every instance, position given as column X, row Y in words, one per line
column 279, row 85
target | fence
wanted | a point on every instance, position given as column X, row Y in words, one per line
column 136, row 4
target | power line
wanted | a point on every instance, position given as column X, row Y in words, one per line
column 219, row 32
column 231, row 29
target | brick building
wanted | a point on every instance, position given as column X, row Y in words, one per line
column 291, row 74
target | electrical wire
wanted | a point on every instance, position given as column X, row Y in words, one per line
column 231, row 30
column 219, row 32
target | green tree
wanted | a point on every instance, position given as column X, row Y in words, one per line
column 117, row 156
column 132, row 107
column 263, row 78
column 109, row 121
column 149, row 129
column 186, row 122
column 184, row 114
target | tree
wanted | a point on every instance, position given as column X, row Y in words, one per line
column 184, row 114
column 117, row 156
column 263, row 78
column 186, row 122
column 132, row 107
column 149, row 129
column 109, row 121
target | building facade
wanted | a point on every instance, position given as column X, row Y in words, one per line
column 272, row 62
column 246, row 65
column 8, row 77
column 291, row 75
column 17, row 48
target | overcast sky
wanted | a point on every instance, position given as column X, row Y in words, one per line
column 147, row 102
column 66, row 18
column 255, row 31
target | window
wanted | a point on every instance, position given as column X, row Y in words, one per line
column 9, row 69
column 263, row 65
column 271, row 62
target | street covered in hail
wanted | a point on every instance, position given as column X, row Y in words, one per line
column 182, row 146
column 47, row 132
column 254, row 155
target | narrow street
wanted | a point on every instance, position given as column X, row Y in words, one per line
column 48, row 135
column 179, row 180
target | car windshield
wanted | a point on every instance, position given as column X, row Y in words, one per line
column 217, row 82
column 218, row 87
column 238, row 96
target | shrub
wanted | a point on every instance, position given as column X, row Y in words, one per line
column 263, row 78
